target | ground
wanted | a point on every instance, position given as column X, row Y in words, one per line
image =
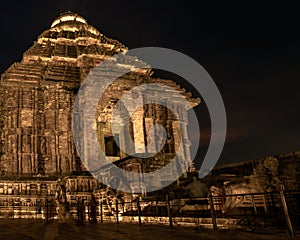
column 39, row 229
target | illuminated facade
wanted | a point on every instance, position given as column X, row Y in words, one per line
column 37, row 97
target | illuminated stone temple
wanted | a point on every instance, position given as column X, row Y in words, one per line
column 37, row 98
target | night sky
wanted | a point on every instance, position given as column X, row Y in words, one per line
column 250, row 48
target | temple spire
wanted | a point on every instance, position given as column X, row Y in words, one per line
column 67, row 17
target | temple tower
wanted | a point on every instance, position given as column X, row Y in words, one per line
column 38, row 93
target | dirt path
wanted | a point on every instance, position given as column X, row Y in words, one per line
column 38, row 230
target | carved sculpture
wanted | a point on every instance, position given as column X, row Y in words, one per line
column 61, row 199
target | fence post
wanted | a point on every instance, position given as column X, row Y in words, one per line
column 179, row 210
column 117, row 210
column 286, row 211
column 139, row 210
column 169, row 213
column 212, row 211
column 265, row 203
column 47, row 210
column 101, row 212
column 89, row 212
column 254, row 204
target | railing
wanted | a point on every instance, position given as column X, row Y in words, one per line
column 259, row 211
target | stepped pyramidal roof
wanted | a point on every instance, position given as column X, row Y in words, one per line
column 64, row 52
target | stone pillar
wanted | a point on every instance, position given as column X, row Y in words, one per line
column 151, row 148
column 38, row 188
column 34, row 140
column 100, row 130
column 138, row 130
column 176, row 128
column 122, row 141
